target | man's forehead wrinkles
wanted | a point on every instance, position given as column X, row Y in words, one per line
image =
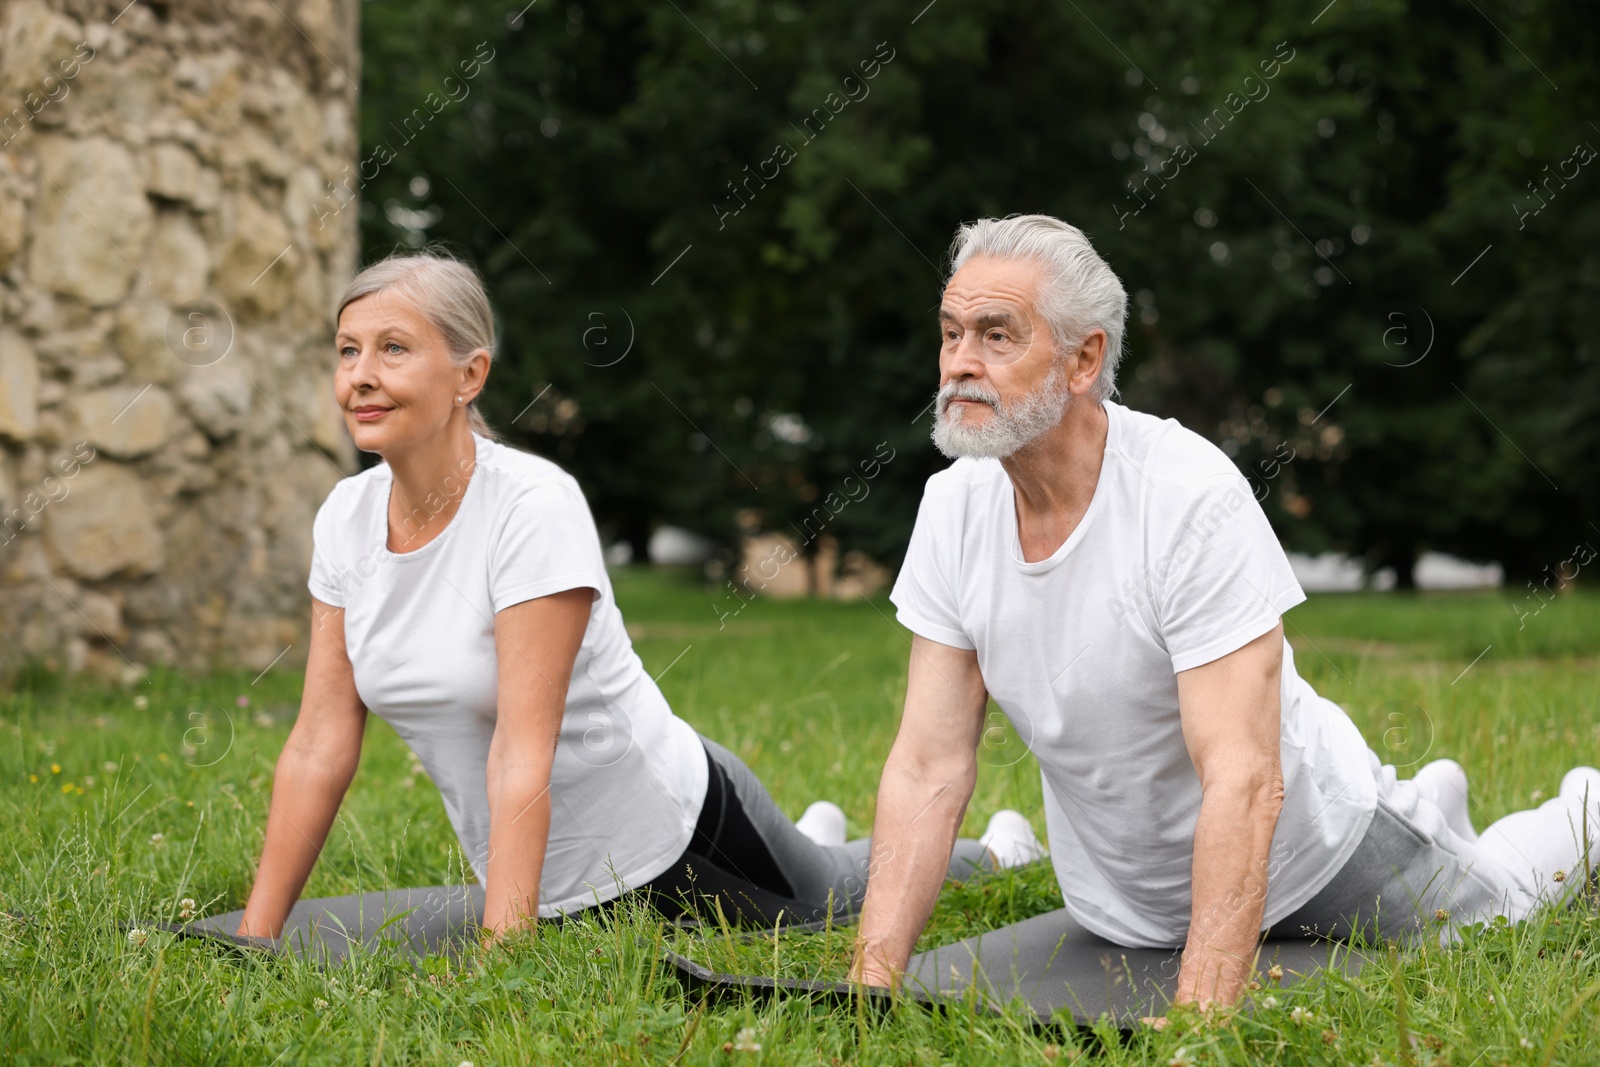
column 987, row 304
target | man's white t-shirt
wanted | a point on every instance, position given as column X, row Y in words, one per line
column 629, row 777
column 1172, row 566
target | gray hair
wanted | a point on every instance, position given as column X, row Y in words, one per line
column 1081, row 293
column 449, row 294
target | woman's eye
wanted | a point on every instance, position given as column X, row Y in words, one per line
column 393, row 347
column 347, row 351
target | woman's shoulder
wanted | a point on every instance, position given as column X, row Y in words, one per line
column 348, row 493
column 511, row 474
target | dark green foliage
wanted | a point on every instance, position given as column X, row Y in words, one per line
column 601, row 141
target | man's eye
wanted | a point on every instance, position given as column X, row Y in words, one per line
column 998, row 338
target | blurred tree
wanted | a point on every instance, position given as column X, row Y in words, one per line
column 715, row 233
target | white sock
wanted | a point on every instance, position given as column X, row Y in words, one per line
column 1445, row 783
column 1011, row 841
column 824, row 823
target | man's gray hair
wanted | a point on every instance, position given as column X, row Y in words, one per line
column 448, row 293
column 1080, row 293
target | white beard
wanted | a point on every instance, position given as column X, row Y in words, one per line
column 1009, row 428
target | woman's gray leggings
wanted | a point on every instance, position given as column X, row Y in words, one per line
column 748, row 858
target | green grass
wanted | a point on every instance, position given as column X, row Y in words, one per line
column 808, row 694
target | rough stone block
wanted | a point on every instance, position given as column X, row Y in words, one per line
column 91, row 220
column 104, row 526
column 126, row 421
column 19, row 387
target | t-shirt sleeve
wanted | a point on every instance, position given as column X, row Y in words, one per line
column 1225, row 579
column 547, row 544
column 924, row 593
column 324, row 582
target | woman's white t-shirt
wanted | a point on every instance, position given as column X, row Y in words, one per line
column 629, row 777
column 1172, row 566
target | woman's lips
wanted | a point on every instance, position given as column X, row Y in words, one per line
column 369, row 414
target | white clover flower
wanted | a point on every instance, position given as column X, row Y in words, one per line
column 319, row 1004
column 141, row 702
column 1269, row 1002
column 137, row 936
column 109, row 766
column 186, row 908
column 157, row 837
column 745, row 1041
column 1300, row 1016
column 1524, row 1042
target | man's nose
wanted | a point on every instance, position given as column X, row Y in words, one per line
column 964, row 360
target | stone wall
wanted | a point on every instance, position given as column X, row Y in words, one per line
column 167, row 269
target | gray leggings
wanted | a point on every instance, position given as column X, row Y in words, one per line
column 747, row 859
column 1420, row 867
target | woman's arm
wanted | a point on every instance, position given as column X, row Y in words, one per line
column 536, row 643
column 313, row 773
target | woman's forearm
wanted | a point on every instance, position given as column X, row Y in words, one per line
column 519, row 831
column 306, row 793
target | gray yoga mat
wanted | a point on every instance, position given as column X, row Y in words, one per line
column 326, row 929
column 1061, row 971
column 1054, row 965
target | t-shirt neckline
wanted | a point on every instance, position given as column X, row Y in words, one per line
column 480, row 444
column 1063, row 550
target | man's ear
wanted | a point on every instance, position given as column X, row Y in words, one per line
column 1091, row 356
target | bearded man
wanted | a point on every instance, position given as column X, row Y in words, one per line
column 1108, row 578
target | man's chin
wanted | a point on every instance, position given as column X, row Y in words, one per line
column 955, row 444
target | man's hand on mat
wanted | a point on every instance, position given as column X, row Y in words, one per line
column 1212, row 976
column 1191, row 1016
column 868, row 970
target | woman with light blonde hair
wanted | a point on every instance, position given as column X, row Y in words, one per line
column 459, row 592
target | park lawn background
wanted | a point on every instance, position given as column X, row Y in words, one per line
column 115, row 811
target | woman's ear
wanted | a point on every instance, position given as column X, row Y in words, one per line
column 476, row 372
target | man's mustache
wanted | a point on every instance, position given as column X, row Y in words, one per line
column 967, row 391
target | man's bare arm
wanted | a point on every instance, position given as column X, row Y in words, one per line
column 1231, row 714
column 922, row 798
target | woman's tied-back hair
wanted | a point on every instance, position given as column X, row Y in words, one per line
column 1080, row 293
column 449, row 294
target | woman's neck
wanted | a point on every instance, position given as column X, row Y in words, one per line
column 429, row 480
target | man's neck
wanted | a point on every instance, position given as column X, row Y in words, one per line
column 1054, row 478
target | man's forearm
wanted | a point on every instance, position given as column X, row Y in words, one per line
column 919, row 814
column 1232, row 841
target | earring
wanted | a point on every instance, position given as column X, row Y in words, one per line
column 458, row 400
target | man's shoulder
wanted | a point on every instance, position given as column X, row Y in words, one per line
column 949, row 493
column 1172, row 457
column 965, row 476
